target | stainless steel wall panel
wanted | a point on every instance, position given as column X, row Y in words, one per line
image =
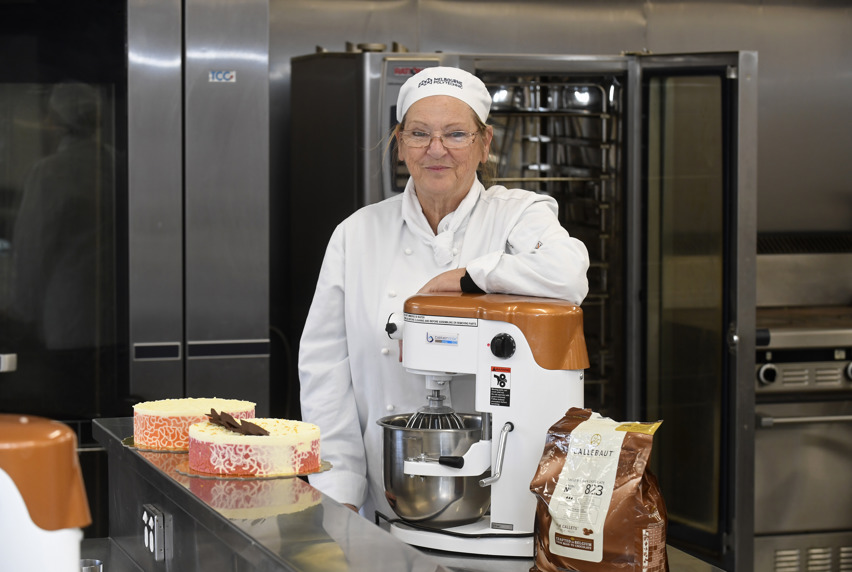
column 155, row 200
column 812, row 279
column 227, row 194
column 537, row 27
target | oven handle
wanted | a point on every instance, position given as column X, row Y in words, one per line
column 769, row 421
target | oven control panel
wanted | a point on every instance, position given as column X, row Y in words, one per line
column 779, row 370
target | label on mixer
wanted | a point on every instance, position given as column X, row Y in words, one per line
column 440, row 320
column 501, row 386
column 580, row 501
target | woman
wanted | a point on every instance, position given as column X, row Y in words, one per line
column 445, row 233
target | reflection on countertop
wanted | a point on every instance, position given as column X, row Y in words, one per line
column 254, row 524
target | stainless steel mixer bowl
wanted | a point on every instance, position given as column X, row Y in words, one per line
column 436, row 501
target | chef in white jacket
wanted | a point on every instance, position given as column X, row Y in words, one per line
column 445, row 232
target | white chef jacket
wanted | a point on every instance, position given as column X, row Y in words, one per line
column 509, row 240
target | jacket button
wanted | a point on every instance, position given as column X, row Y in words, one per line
column 385, row 351
column 390, row 407
column 407, row 251
column 392, row 294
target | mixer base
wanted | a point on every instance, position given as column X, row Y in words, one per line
column 483, row 540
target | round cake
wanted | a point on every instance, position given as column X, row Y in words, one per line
column 249, row 499
column 290, row 448
column 164, row 425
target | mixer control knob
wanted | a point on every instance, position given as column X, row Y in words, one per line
column 767, row 374
column 849, row 371
column 393, row 327
column 503, row 346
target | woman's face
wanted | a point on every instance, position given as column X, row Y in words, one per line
column 435, row 169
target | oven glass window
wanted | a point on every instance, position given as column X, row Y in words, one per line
column 685, row 362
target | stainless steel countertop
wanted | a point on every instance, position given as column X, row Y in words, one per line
column 325, row 537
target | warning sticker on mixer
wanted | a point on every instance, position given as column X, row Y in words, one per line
column 440, row 320
column 501, row 386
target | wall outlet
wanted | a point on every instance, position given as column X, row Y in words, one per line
column 154, row 531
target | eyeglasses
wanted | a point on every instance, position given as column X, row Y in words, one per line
column 452, row 140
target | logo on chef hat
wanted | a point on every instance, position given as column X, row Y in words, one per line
column 452, row 82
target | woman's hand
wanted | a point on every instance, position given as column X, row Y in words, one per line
column 448, row 281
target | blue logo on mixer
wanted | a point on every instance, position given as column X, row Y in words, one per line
column 443, row 339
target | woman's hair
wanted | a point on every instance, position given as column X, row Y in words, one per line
column 486, row 170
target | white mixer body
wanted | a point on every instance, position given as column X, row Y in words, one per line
column 25, row 546
column 514, row 389
column 440, row 344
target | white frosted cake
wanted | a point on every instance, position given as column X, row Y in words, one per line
column 164, row 425
column 290, row 448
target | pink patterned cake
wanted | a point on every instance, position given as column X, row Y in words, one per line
column 164, row 425
column 290, row 448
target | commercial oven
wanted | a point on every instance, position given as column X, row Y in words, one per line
column 803, row 388
column 652, row 161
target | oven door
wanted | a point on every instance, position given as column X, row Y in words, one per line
column 698, row 273
column 803, row 502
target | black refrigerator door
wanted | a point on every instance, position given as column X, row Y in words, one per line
column 62, row 183
column 698, row 115
column 62, row 189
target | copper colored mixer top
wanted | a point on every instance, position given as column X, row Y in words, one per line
column 553, row 328
column 41, row 457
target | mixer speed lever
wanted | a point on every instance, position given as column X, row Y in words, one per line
column 501, row 450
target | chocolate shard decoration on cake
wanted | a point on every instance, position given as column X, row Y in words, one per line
column 250, row 428
column 224, row 419
column 228, row 422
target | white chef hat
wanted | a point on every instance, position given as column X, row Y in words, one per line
column 444, row 81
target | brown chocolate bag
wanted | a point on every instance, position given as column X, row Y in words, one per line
column 599, row 506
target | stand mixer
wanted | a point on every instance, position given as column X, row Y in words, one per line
column 43, row 504
column 527, row 357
